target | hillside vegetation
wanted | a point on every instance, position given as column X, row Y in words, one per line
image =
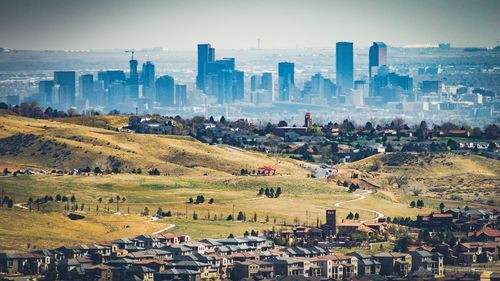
column 440, row 175
column 59, row 145
column 196, row 169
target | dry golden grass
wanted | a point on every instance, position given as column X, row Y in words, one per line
column 70, row 146
column 195, row 169
column 22, row 229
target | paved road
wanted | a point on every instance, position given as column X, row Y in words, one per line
column 359, row 197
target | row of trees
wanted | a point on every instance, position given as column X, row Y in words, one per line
column 7, row 201
column 200, row 199
column 352, row 216
column 269, row 192
column 419, row 204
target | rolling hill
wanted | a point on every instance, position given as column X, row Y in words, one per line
column 65, row 145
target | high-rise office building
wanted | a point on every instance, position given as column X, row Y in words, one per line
column 67, row 88
column 133, row 81
column 181, row 95
column 238, row 85
column 344, row 65
column 225, row 86
column 286, row 80
column 148, row 80
column 267, row 81
column 206, row 54
column 165, row 90
column 45, row 89
column 86, row 88
column 378, row 57
column 116, row 94
column 255, row 82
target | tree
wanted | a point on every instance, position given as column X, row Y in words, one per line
column 491, row 132
column 356, row 216
column 145, row 212
column 195, row 216
column 211, row 201
column 420, row 134
column 118, row 198
column 420, row 204
column 412, row 204
column 97, row 171
column 229, row 217
column 110, row 201
column 10, row 203
column 58, row 197
column 282, row 123
column 230, row 235
column 240, row 216
column 350, row 216
column 389, row 148
column 261, row 191
column 476, row 133
column 190, row 200
column 3, row 105
column 246, row 233
column 402, row 245
column 278, row 192
column 453, row 144
column 441, row 206
column 254, row 233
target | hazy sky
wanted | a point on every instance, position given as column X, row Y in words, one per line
column 236, row 24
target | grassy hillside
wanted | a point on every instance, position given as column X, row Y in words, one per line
column 110, row 122
column 52, row 144
column 194, row 169
column 472, row 178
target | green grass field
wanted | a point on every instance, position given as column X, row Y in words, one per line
column 195, row 169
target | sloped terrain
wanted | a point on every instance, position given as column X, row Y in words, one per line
column 48, row 144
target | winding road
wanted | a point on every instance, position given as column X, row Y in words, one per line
column 359, row 197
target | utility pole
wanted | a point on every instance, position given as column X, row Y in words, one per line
column 233, row 212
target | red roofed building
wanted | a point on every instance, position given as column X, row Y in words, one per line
column 435, row 220
column 266, row 170
column 485, row 234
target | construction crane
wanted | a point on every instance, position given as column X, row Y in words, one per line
column 132, row 52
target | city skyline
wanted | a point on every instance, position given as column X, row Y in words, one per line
column 178, row 25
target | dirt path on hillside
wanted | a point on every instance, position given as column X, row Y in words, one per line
column 359, row 197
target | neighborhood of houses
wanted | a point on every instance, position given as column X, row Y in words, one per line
column 295, row 253
column 331, row 143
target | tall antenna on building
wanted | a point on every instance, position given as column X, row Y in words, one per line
column 132, row 52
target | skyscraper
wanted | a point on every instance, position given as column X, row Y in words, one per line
column 286, row 80
column 86, row 87
column 206, row 54
column 133, row 81
column 378, row 57
column 67, row 88
column 255, row 82
column 267, row 81
column 45, row 89
column 225, row 86
column 344, row 65
column 148, row 80
column 238, row 85
column 181, row 95
column 165, row 91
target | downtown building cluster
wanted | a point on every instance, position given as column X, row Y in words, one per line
column 112, row 89
column 355, row 86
